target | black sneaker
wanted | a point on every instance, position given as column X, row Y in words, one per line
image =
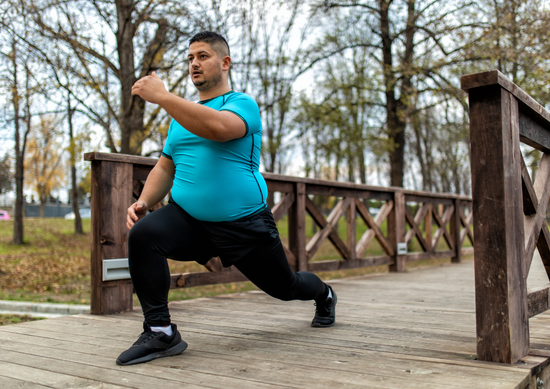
column 151, row 345
column 325, row 312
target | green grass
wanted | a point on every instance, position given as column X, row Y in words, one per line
column 15, row 319
column 54, row 264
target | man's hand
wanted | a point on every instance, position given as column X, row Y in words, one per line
column 150, row 88
column 136, row 211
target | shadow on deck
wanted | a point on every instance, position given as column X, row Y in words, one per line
column 396, row 330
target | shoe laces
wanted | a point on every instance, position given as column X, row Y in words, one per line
column 323, row 309
column 147, row 336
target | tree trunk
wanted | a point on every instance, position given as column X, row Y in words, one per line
column 20, row 145
column 42, row 203
column 74, row 185
column 396, row 109
column 133, row 107
column 395, row 126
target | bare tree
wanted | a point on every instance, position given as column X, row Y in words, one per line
column 114, row 43
column 411, row 43
column 20, row 101
column 270, row 54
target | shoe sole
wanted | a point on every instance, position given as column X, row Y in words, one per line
column 177, row 349
column 319, row 325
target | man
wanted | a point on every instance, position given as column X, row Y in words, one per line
column 218, row 204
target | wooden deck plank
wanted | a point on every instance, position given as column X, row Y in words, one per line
column 406, row 330
column 7, row 382
column 284, row 357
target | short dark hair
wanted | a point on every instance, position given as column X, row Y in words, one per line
column 215, row 40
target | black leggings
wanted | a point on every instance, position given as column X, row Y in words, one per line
column 171, row 232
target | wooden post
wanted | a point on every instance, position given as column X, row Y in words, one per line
column 396, row 231
column 455, row 232
column 297, row 227
column 501, row 293
column 111, row 196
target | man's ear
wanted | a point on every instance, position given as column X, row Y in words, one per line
column 226, row 62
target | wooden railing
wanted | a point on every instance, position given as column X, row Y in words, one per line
column 439, row 223
column 509, row 212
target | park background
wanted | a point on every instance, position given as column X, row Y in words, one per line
column 357, row 91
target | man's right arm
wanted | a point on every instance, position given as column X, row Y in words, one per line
column 156, row 188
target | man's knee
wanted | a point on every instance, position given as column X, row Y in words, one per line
column 140, row 233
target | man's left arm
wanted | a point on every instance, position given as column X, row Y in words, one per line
column 220, row 126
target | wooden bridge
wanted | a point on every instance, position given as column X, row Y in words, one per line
column 414, row 329
column 441, row 326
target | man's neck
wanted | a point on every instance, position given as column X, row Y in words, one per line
column 215, row 92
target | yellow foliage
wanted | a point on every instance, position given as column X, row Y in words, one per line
column 43, row 162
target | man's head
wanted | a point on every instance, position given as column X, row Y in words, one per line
column 215, row 40
column 209, row 61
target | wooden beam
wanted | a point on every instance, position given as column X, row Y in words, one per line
column 396, row 231
column 187, row 280
column 282, row 206
column 111, row 197
column 374, row 229
column 351, row 224
column 410, row 257
column 530, row 201
column 538, row 300
column 297, row 226
column 534, row 223
column 466, row 222
column 415, row 230
column 543, row 245
column 442, row 227
column 428, row 227
column 215, row 265
column 278, row 186
column 420, row 214
column 327, row 228
column 350, row 264
column 455, row 233
column 501, row 293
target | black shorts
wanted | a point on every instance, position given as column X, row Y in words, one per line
column 232, row 240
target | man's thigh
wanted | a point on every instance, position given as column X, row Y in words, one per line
column 171, row 232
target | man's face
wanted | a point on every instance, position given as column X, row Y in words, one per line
column 205, row 67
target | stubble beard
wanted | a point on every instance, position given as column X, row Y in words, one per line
column 205, row 84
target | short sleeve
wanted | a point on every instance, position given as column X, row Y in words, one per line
column 247, row 109
column 167, row 151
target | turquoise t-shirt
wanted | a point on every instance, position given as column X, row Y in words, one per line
column 219, row 181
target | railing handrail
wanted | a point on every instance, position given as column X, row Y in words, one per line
column 117, row 180
column 151, row 161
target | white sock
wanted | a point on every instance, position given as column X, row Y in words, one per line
column 329, row 293
column 167, row 330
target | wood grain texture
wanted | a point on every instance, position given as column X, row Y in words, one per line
column 374, row 228
column 327, row 228
column 297, row 227
column 396, row 231
column 119, row 179
column 534, row 222
column 424, row 338
column 501, row 295
column 111, row 196
column 538, row 300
